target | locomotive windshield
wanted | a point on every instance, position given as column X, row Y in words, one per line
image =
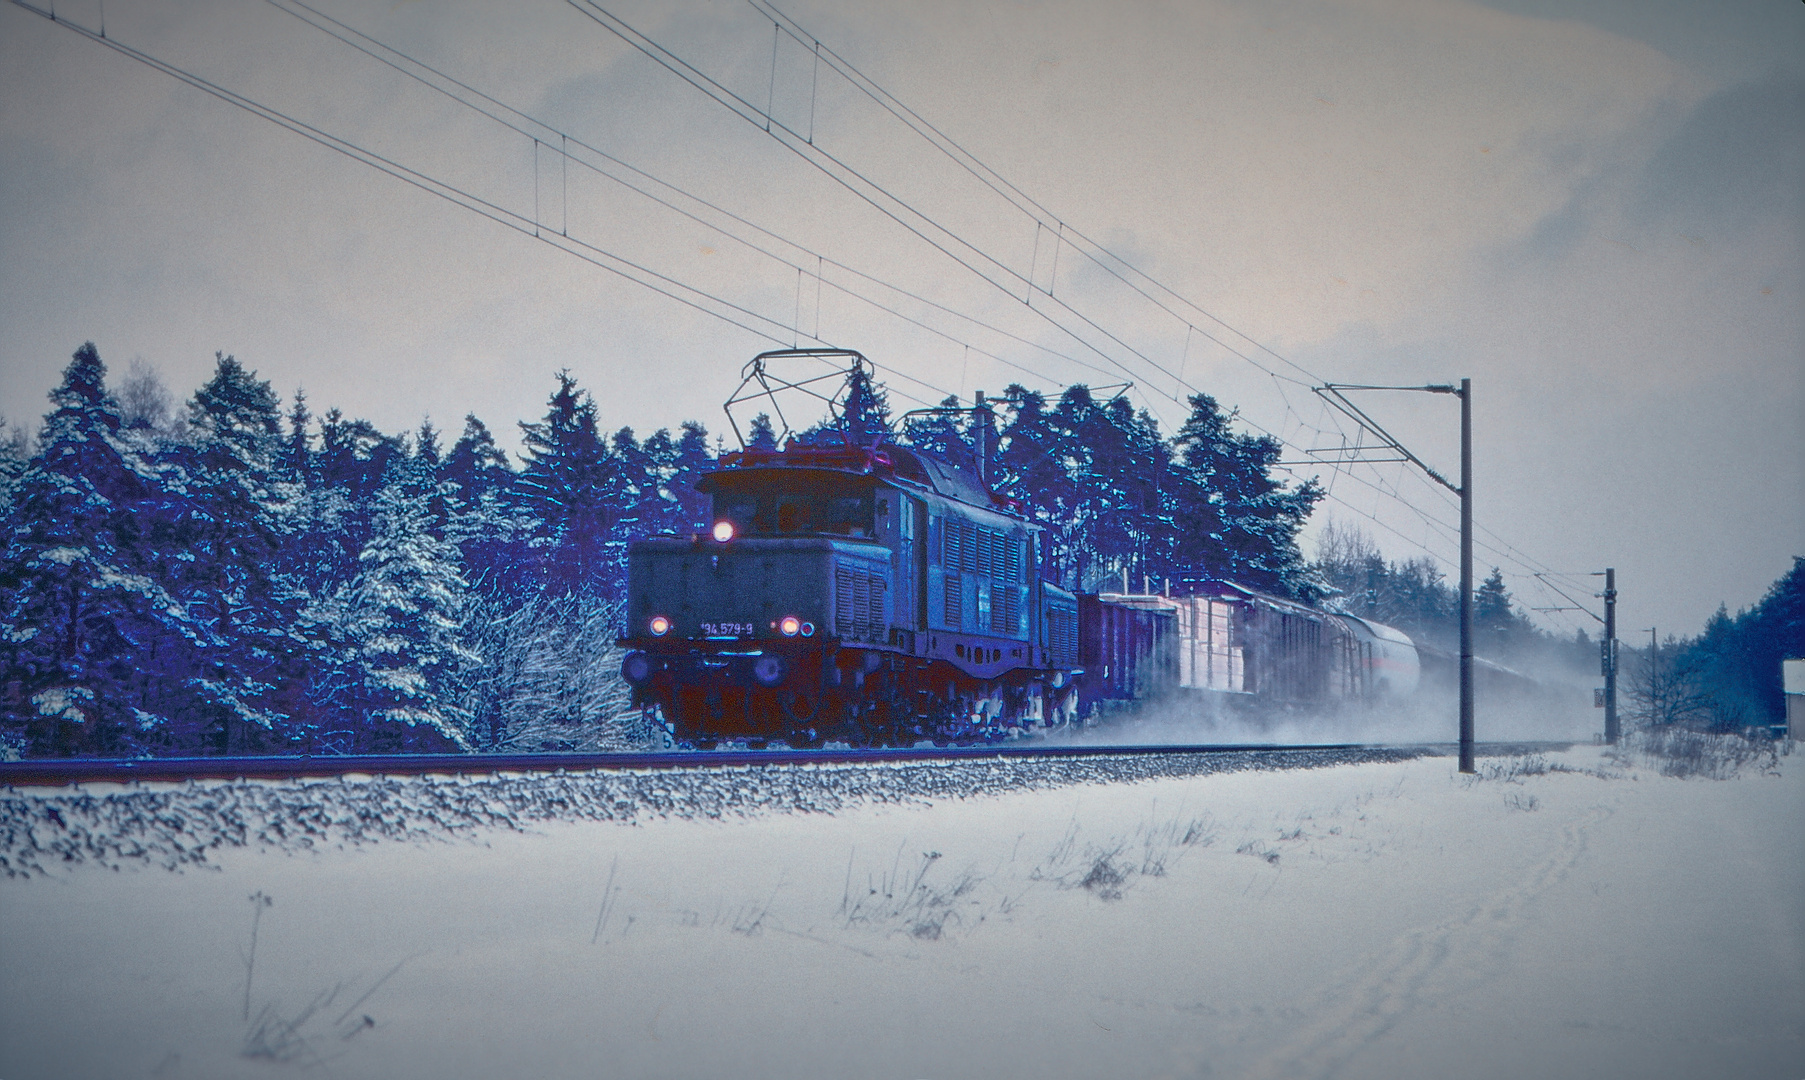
column 794, row 503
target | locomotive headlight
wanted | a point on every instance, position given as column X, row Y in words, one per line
column 808, row 629
column 723, row 531
column 636, row 668
column 660, row 626
column 768, row 670
column 790, row 626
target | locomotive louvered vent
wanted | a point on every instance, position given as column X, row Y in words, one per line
column 858, row 603
column 973, row 549
column 1062, row 635
column 955, row 601
column 1005, row 610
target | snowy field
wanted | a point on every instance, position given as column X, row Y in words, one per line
column 1569, row 915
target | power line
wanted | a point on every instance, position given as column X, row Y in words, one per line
column 874, row 194
column 1021, row 200
column 1044, row 218
column 670, row 287
column 814, row 155
column 412, row 68
column 589, row 253
column 318, row 20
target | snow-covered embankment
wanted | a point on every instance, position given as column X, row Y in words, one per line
column 1581, row 917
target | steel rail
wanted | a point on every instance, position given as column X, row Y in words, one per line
column 58, row 772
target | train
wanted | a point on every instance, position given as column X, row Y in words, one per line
column 1240, row 646
column 881, row 595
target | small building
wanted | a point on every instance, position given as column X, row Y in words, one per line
column 1792, row 680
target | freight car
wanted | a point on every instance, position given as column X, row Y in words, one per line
column 1229, row 640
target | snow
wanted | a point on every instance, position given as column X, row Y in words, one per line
column 1576, row 914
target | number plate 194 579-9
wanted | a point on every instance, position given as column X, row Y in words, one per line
column 727, row 629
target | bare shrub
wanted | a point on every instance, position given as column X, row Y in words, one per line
column 1514, row 768
column 1517, row 800
column 1260, row 851
column 1686, row 753
column 551, row 680
column 1104, row 877
column 1106, row 869
column 308, row 1034
column 904, row 900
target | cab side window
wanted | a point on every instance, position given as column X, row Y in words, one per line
column 848, row 515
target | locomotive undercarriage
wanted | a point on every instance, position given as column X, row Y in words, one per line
column 860, row 697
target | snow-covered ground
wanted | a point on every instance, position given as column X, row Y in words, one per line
column 1378, row 919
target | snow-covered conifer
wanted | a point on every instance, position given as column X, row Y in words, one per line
column 570, row 484
column 83, row 625
column 404, row 617
column 225, row 558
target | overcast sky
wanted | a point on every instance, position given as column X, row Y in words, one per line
column 1592, row 210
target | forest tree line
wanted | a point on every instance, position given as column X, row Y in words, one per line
column 237, row 575
column 1725, row 679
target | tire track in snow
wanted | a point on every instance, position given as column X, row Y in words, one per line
column 1423, row 966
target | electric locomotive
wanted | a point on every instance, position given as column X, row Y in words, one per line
column 871, row 594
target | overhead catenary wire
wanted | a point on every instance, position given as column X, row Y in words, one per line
column 795, row 331
column 520, row 223
column 534, row 128
column 1018, row 198
column 338, row 30
column 876, row 195
column 1044, row 218
column 672, row 287
column 712, row 88
column 590, row 253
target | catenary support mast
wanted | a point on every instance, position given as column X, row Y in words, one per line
column 1609, row 656
column 1466, row 575
column 1335, row 394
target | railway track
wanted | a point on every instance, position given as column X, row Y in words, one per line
column 60, row 772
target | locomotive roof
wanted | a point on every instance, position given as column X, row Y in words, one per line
column 887, row 460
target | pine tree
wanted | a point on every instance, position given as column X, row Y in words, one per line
column 1737, row 660
column 1497, row 624
column 567, row 485
column 81, row 621
column 1258, row 517
column 689, row 464
column 1037, row 464
column 865, row 413
column 490, row 532
column 298, row 453
column 404, row 618
column 761, row 436
column 862, row 417
column 15, row 454
column 475, row 464
column 223, row 554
